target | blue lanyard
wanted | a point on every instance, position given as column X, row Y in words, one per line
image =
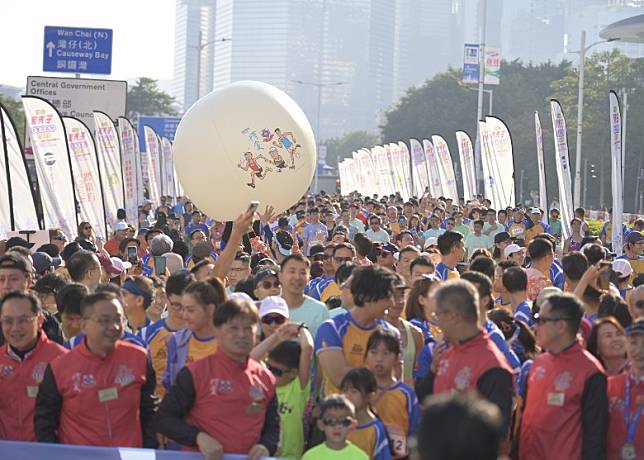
column 631, row 422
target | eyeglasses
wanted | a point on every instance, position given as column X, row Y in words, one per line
column 105, row 321
column 341, row 260
column 332, row 421
column 327, row 256
column 542, row 319
column 20, row 321
column 268, row 285
column 276, row 371
column 270, row 319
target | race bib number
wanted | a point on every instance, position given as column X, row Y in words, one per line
column 398, row 441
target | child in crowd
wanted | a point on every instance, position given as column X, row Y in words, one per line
column 396, row 403
column 360, row 387
column 336, row 421
column 290, row 363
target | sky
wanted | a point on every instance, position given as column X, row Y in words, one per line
column 143, row 35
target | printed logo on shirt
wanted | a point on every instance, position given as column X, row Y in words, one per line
column 82, row 380
column 462, row 379
column 161, row 354
column 615, row 405
column 562, row 382
column 256, row 392
column 357, row 350
column 7, row 371
column 219, row 386
column 38, row 372
column 124, row 377
column 539, row 373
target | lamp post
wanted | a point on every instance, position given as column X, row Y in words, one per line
column 479, row 108
column 580, row 112
column 200, row 47
column 319, row 87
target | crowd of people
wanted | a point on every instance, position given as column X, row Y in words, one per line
column 347, row 327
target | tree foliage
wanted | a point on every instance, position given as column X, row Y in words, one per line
column 339, row 148
column 444, row 105
column 145, row 98
column 17, row 114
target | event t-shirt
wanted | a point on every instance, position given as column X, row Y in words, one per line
column 473, row 242
column 292, row 400
column 492, row 232
column 380, row 236
column 433, row 232
column 311, row 312
column 156, row 336
column 372, row 439
column 523, row 312
column 398, row 408
column 200, row 348
column 462, row 229
column 315, row 233
column 322, row 452
column 445, row 273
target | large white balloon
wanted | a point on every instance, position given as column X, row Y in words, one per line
column 247, row 141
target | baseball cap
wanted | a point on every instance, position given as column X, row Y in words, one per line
column 517, row 210
column 622, row 267
column 431, row 241
column 511, row 249
column 42, row 262
column 636, row 327
column 121, row 264
column 316, row 249
column 633, row 237
column 17, row 241
column 388, row 247
column 120, row 226
column 17, row 261
column 501, row 237
column 265, row 273
column 107, row 264
column 535, row 211
column 273, row 304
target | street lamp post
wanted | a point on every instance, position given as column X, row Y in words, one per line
column 200, row 47
column 318, row 109
column 580, row 112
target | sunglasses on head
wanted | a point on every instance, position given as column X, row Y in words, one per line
column 268, row 285
column 276, row 371
column 332, row 421
column 274, row 318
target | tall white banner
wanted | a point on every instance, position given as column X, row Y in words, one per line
column 466, row 154
column 435, row 186
column 543, row 195
column 617, row 179
column 109, row 162
column 141, row 167
column 563, row 166
column 501, row 143
column 168, row 167
column 18, row 193
column 491, row 189
column 49, row 144
column 87, row 182
column 407, row 170
column 446, row 168
column 381, row 164
column 419, row 170
column 153, row 151
column 129, row 155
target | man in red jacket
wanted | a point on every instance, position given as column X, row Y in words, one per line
column 225, row 402
column 102, row 392
column 566, row 406
column 472, row 362
column 23, row 360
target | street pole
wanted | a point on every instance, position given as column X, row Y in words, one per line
column 491, row 92
column 522, row 176
column 585, row 183
column 479, row 108
column 625, row 114
column 580, row 121
column 199, row 48
column 317, row 134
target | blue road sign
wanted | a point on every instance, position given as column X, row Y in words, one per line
column 163, row 126
column 471, row 64
column 77, row 50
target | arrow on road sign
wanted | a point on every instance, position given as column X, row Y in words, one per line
column 50, row 48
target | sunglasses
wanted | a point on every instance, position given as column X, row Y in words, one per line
column 270, row 319
column 87, row 228
column 276, row 371
column 268, row 285
column 331, row 421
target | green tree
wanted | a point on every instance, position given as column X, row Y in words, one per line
column 605, row 71
column 17, row 114
column 145, row 98
column 444, row 105
column 339, row 148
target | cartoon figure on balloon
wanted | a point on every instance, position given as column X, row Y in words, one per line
column 286, row 141
column 251, row 165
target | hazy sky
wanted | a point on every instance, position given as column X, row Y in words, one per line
column 143, row 35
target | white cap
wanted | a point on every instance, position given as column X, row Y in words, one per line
column 511, row 249
column 273, row 304
column 120, row 226
column 535, row 211
column 431, row 241
column 121, row 264
column 623, row 267
column 239, row 296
